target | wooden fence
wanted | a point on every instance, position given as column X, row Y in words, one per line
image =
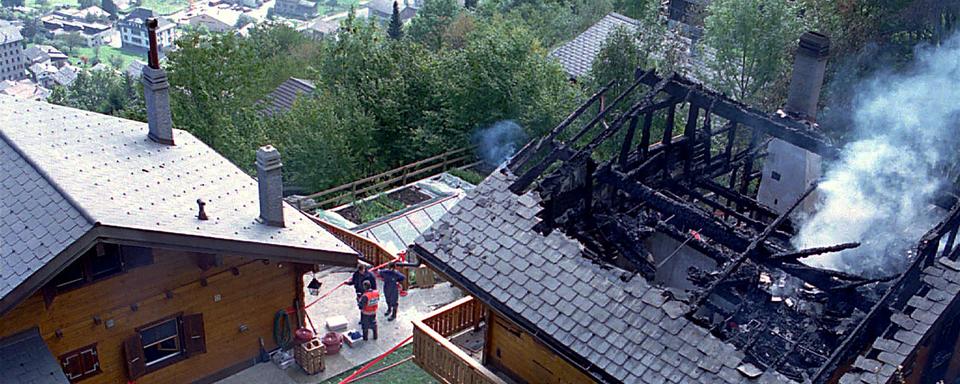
column 460, row 158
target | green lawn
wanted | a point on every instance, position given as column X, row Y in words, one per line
column 341, row 6
column 406, row 373
column 49, row 4
column 105, row 54
column 163, row 7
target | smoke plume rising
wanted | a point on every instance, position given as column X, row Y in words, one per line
column 499, row 141
column 879, row 191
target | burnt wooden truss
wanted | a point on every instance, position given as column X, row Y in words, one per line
column 671, row 157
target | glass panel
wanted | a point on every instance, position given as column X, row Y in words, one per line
column 420, row 220
column 436, row 211
column 158, row 332
column 388, row 237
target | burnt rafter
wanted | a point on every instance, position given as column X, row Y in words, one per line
column 795, row 132
column 795, row 255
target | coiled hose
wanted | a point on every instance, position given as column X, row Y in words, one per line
column 282, row 330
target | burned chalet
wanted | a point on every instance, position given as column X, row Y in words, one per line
column 650, row 242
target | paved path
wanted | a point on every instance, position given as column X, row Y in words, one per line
column 343, row 302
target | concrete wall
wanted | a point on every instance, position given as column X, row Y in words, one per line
column 673, row 272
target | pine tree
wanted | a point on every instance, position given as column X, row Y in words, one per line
column 396, row 28
column 471, row 4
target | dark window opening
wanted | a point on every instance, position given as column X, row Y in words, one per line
column 164, row 342
column 81, row 363
column 101, row 262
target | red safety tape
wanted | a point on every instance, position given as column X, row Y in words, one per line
column 374, row 361
column 345, row 282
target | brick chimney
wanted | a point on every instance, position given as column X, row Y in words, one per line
column 270, row 180
column 788, row 169
column 156, row 92
column 809, row 67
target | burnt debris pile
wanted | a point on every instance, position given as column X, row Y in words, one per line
column 692, row 191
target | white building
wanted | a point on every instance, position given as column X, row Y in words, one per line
column 133, row 30
column 11, row 52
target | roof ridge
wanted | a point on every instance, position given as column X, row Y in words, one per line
column 46, row 177
column 624, row 18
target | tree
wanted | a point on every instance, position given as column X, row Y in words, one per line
column 470, row 4
column 12, row 3
column 110, row 7
column 72, row 40
column 751, row 41
column 116, row 61
column 87, row 3
column 431, row 21
column 99, row 91
column 396, row 27
column 619, row 56
column 243, row 20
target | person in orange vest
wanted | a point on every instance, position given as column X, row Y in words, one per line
column 368, row 309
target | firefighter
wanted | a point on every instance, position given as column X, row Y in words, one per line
column 360, row 276
column 391, row 290
column 368, row 309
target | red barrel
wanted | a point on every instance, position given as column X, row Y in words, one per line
column 302, row 335
column 332, row 341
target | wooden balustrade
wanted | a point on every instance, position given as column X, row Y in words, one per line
column 439, row 356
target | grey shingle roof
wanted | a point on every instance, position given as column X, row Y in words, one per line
column 140, row 15
column 107, row 167
column 283, row 98
column 910, row 325
column 27, row 360
column 9, row 33
column 577, row 56
column 626, row 332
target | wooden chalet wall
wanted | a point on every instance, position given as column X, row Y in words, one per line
column 509, row 349
column 251, row 298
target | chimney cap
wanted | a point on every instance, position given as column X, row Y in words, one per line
column 814, row 44
column 268, row 157
column 152, row 23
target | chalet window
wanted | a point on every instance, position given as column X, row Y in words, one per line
column 81, row 363
column 164, row 342
column 101, row 262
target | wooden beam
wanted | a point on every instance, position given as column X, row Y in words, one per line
column 628, row 140
column 645, row 134
column 749, row 251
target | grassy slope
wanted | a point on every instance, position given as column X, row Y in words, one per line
column 105, row 54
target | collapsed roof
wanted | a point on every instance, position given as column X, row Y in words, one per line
column 656, row 241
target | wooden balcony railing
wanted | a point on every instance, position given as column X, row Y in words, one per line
column 437, row 355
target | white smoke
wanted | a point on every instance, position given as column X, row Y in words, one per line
column 879, row 192
column 499, row 141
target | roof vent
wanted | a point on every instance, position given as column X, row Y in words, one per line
column 202, row 214
column 270, row 181
column 156, row 92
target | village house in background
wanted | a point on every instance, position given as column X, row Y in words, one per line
column 216, row 19
column 296, row 9
column 61, row 22
column 319, row 27
column 12, row 65
column 382, row 10
column 133, row 30
column 137, row 253
column 39, row 53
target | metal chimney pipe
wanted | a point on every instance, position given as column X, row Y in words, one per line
column 270, row 182
column 156, row 92
column 809, row 67
column 154, row 56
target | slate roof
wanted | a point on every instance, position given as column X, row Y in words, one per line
column 942, row 278
column 72, row 170
column 35, row 55
column 618, row 332
column 577, row 55
column 27, row 360
column 9, row 33
column 283, row 98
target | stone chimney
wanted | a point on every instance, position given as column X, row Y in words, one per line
column 788, row 169
column 156, row 92
column 809, row 67
column 270, row 180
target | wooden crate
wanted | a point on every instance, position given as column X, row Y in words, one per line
column 309, row 356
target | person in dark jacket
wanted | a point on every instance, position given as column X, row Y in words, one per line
column 361, row 275
column 391, row 289
column 368, row 309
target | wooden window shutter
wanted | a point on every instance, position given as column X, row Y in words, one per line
column 133, row 351
column 194, row 341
